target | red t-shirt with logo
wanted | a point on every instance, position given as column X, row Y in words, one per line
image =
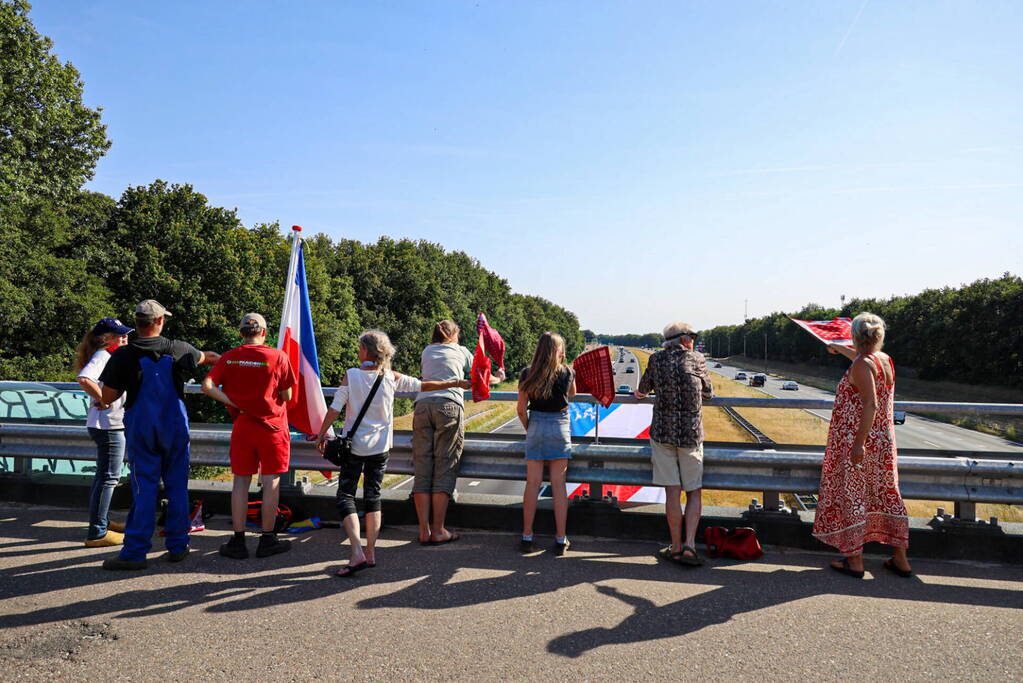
column 251, row 375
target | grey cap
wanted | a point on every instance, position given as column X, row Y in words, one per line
column 152, row 308
column 677, row 329
column 252, row 320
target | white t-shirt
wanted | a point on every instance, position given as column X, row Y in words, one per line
column 377, row 427
column 113, row 418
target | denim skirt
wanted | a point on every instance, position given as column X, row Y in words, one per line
column 548, row 436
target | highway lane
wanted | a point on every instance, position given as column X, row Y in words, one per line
column 917, row 432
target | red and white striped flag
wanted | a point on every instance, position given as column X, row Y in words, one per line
column 836, row 330
column 307, row 407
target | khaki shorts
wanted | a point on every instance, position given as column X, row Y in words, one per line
column 677, row 465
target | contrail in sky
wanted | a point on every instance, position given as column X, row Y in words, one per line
column 851, row 27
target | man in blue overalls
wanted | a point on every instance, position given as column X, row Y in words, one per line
column 152, row 369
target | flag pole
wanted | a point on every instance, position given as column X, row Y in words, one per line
column 296, row 240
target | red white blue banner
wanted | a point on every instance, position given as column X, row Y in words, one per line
column 836, row 330
column 307, row 406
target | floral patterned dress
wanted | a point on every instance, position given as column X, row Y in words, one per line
column 861, row 504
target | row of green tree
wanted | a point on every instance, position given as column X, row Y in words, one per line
column 972, row 333
column 69, row 256
column 650, row 339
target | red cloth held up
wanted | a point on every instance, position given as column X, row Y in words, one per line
column 489, row 341
column 594, row 375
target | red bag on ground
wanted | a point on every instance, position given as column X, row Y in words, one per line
column 739, row 544
column 594, row 375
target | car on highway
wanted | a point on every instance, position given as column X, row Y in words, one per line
column 624, row 389
column 632, row 360
column 790, row 386
column 758, row 380
column 741, row 376
column 630, row 370
column 899, row 417
column 717, row 365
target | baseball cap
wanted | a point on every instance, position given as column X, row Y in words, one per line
column 677, row 329
column 111, row 326
column 152, row 308
column 253, row 320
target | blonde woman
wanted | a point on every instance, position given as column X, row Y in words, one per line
column 544, row 389
column 859, row 491
column 371, row 442
column 106, row 428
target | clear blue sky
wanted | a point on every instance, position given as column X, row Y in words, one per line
column 635, row 162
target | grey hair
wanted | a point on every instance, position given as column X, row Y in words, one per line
column 868, row 331
column 379, row 347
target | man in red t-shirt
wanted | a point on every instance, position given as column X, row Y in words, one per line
column 255, row 383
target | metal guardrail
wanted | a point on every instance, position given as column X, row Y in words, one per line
column 936, row 407
column 619, row 462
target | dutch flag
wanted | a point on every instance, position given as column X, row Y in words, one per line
column 307, row 406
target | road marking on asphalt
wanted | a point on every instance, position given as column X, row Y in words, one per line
column 402, row 483
column 474, row 483
column 931, row 443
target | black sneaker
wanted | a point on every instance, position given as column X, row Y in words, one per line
column 526, row 547
column 236, row 551
column 270, row 545
column 178, row 556
column 561, row 548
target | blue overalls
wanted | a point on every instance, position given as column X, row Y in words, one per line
column 156, row 431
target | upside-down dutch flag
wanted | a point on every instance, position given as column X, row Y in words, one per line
column 307, row 407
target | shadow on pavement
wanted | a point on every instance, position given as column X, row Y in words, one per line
column 221, row 585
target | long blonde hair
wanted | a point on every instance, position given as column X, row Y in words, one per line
column 548, row 361
column 90, row 344
column 379, row 347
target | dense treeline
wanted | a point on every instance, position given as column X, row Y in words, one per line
column 69, row 257
column 972, row 333
column 649, row 339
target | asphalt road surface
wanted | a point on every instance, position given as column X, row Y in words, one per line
column 918, row 432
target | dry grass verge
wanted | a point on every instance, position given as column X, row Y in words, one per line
column 784, row 425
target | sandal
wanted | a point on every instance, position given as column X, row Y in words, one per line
column 844, row 569
column 353, row 569
column 689, row 560
column 450, row 539
column 890, row 565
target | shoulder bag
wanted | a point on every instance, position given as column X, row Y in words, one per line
column 338, row 450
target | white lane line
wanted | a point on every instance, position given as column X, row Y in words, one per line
column 402, row 483
column 474, row 483
column 931, row 443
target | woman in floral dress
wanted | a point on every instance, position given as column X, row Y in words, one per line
column 859, row 492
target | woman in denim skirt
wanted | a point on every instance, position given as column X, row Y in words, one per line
column 106, row 427
column 544, row 389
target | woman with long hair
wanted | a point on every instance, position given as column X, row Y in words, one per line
column 859, row 491
column 371, row 442
column 544, row 389
column 106, row 428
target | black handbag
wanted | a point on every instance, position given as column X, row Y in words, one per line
column 338, row 450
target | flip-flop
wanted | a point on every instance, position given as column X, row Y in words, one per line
column 844, row 569
column 450, row 539
column 352, row 569
column 889, row 564
column 667, row 554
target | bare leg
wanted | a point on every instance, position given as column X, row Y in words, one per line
column 422, row 501
column 439, row 504
column 271, row 495
column 534, row 477
column 373, row 520
column 558, row 468
column 353, row 531
column 240, row 501
column 694, row 507
column 673, row 510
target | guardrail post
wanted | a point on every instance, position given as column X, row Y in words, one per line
column 772, row 501
column 966, row 510
column 292, row 488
